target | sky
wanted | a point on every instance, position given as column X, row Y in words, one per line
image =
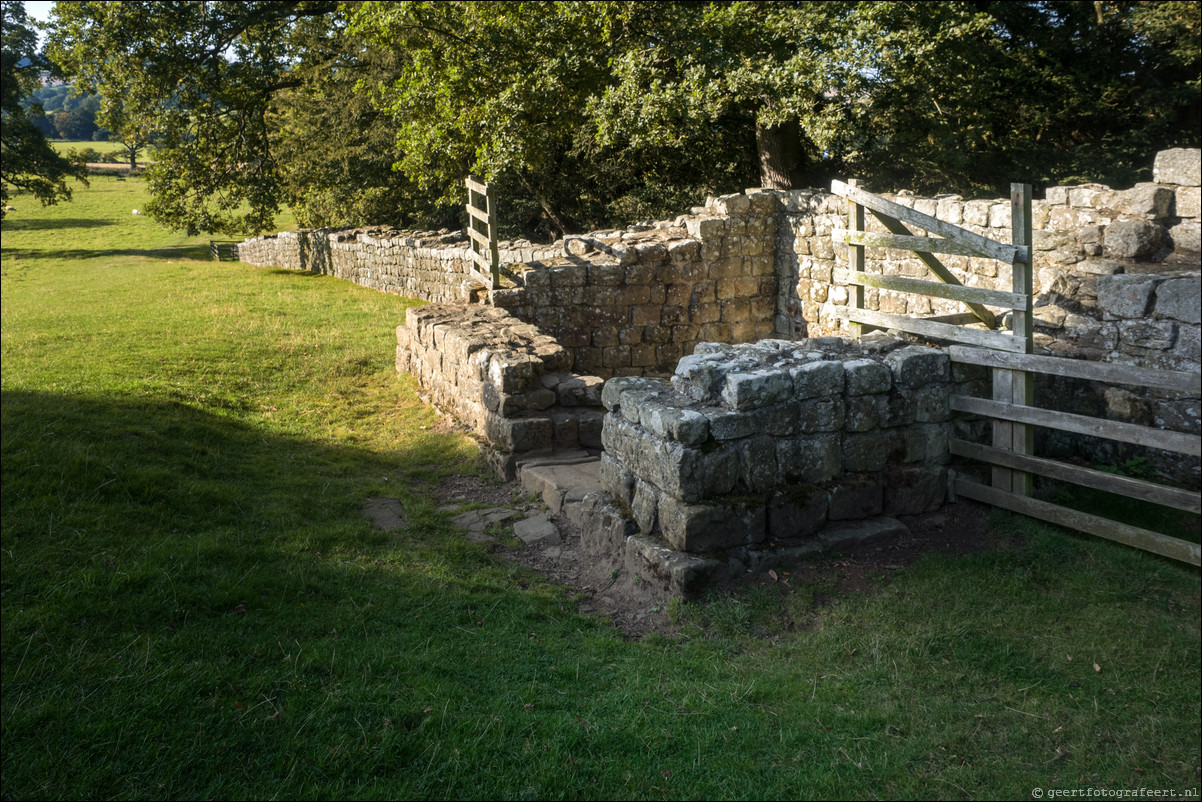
column 40, row 11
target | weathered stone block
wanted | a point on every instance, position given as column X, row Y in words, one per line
column 916, row 365
column 866, row 376
column 519, row 434
column 644, row 506
column 1125, row 295
column 1180, row 299
column 755, row 389
column 817, row 379
column 821, row 414
column 816, row 458
column 686, row 426
column 870, row 451
column 797, row 512
column 855, row 496
column 1133, row 239
column 1178, row 166
column 913, row 489
column 701, row 528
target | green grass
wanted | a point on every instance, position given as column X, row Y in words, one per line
column 193, row 606
column 64, row 145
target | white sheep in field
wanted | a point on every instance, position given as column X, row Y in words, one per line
column 136, row 212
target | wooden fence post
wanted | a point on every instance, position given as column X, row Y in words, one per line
column 482, row 231
column 1017, row 386
column 855, row 254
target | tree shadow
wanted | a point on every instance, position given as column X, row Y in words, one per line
column 46, row 225
column 200, row 252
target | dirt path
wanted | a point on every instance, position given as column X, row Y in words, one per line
column 607, row 589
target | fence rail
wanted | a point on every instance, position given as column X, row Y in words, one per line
column 1008, row 354
column 482, row 232
column 221, row 249
column 1022, row 462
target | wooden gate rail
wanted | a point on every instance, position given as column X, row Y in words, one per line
column 1021, row 462
column 1009, row 386
column 485, row 263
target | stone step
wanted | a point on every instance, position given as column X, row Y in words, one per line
column 561, row 481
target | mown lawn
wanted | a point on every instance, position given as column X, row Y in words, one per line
column 193, row 606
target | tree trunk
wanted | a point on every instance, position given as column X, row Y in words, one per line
column 782, row 157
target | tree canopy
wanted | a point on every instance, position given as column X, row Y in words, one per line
column 586, row 114
column 30, row 164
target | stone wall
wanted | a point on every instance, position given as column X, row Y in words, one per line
column 1083, row 236
column 754, row 444
column 503, row 379
column 430, row 265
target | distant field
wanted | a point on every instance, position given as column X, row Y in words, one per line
column 64, row 145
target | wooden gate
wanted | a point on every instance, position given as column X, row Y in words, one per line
column 1009, row 356
column 482, row 231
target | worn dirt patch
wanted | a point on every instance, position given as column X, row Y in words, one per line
column 605, row 588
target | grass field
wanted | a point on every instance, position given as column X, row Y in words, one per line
column 193, row 606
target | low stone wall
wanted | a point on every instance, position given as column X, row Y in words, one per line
column 430, row 265
column 766, row 443
column 503, row 379
column 632, row 303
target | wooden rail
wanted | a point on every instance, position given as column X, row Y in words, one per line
column 221, row 249
column 482, row 233
column 1018, row 461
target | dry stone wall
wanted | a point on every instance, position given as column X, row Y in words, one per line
column 503, row 379
column 430, row 265
column 758, row 444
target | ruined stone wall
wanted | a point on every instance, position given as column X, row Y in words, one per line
column 1084, row 236
column 430, row 265
column 766, row 443
column 633, row 302
column 503, row 379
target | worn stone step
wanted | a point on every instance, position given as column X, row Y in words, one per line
column 560, row 483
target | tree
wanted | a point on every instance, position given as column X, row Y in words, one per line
column 204, row 75
column 29, row 163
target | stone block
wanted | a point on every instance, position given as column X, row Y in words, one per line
column 866, row 376
column 686, row 426
column 603, row 528
column 897, row 408
column 725, row 424
column 855, row 496
column 1180, row 299
column 1136, row 336
column 870, row 451
column 797, row 512
column 755, row 389
column 1178, row 166
column 1147, row 200
column 817, row 379
column 862, row 412
column 1133, row 239
column 821, row 415
column 812, row 459
column 1186, row 236
column 916, row 365
column 925, row 442
column 644, row 506
column 519, row 434
column 1125, row 295
column 702, row 528
column 913, row 489
column 618, row 482
column 1188, row 202
column 757, row 463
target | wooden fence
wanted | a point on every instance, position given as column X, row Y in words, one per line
column 1009, row 355
column 221, row 249
column 482, row 231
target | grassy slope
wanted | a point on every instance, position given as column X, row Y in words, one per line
column 193, row 607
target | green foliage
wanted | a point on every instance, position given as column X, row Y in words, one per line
column 587, row 114
column 29, row 164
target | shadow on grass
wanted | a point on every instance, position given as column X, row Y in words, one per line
column 146, row 468
column 45, row 225
column 200, row 252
